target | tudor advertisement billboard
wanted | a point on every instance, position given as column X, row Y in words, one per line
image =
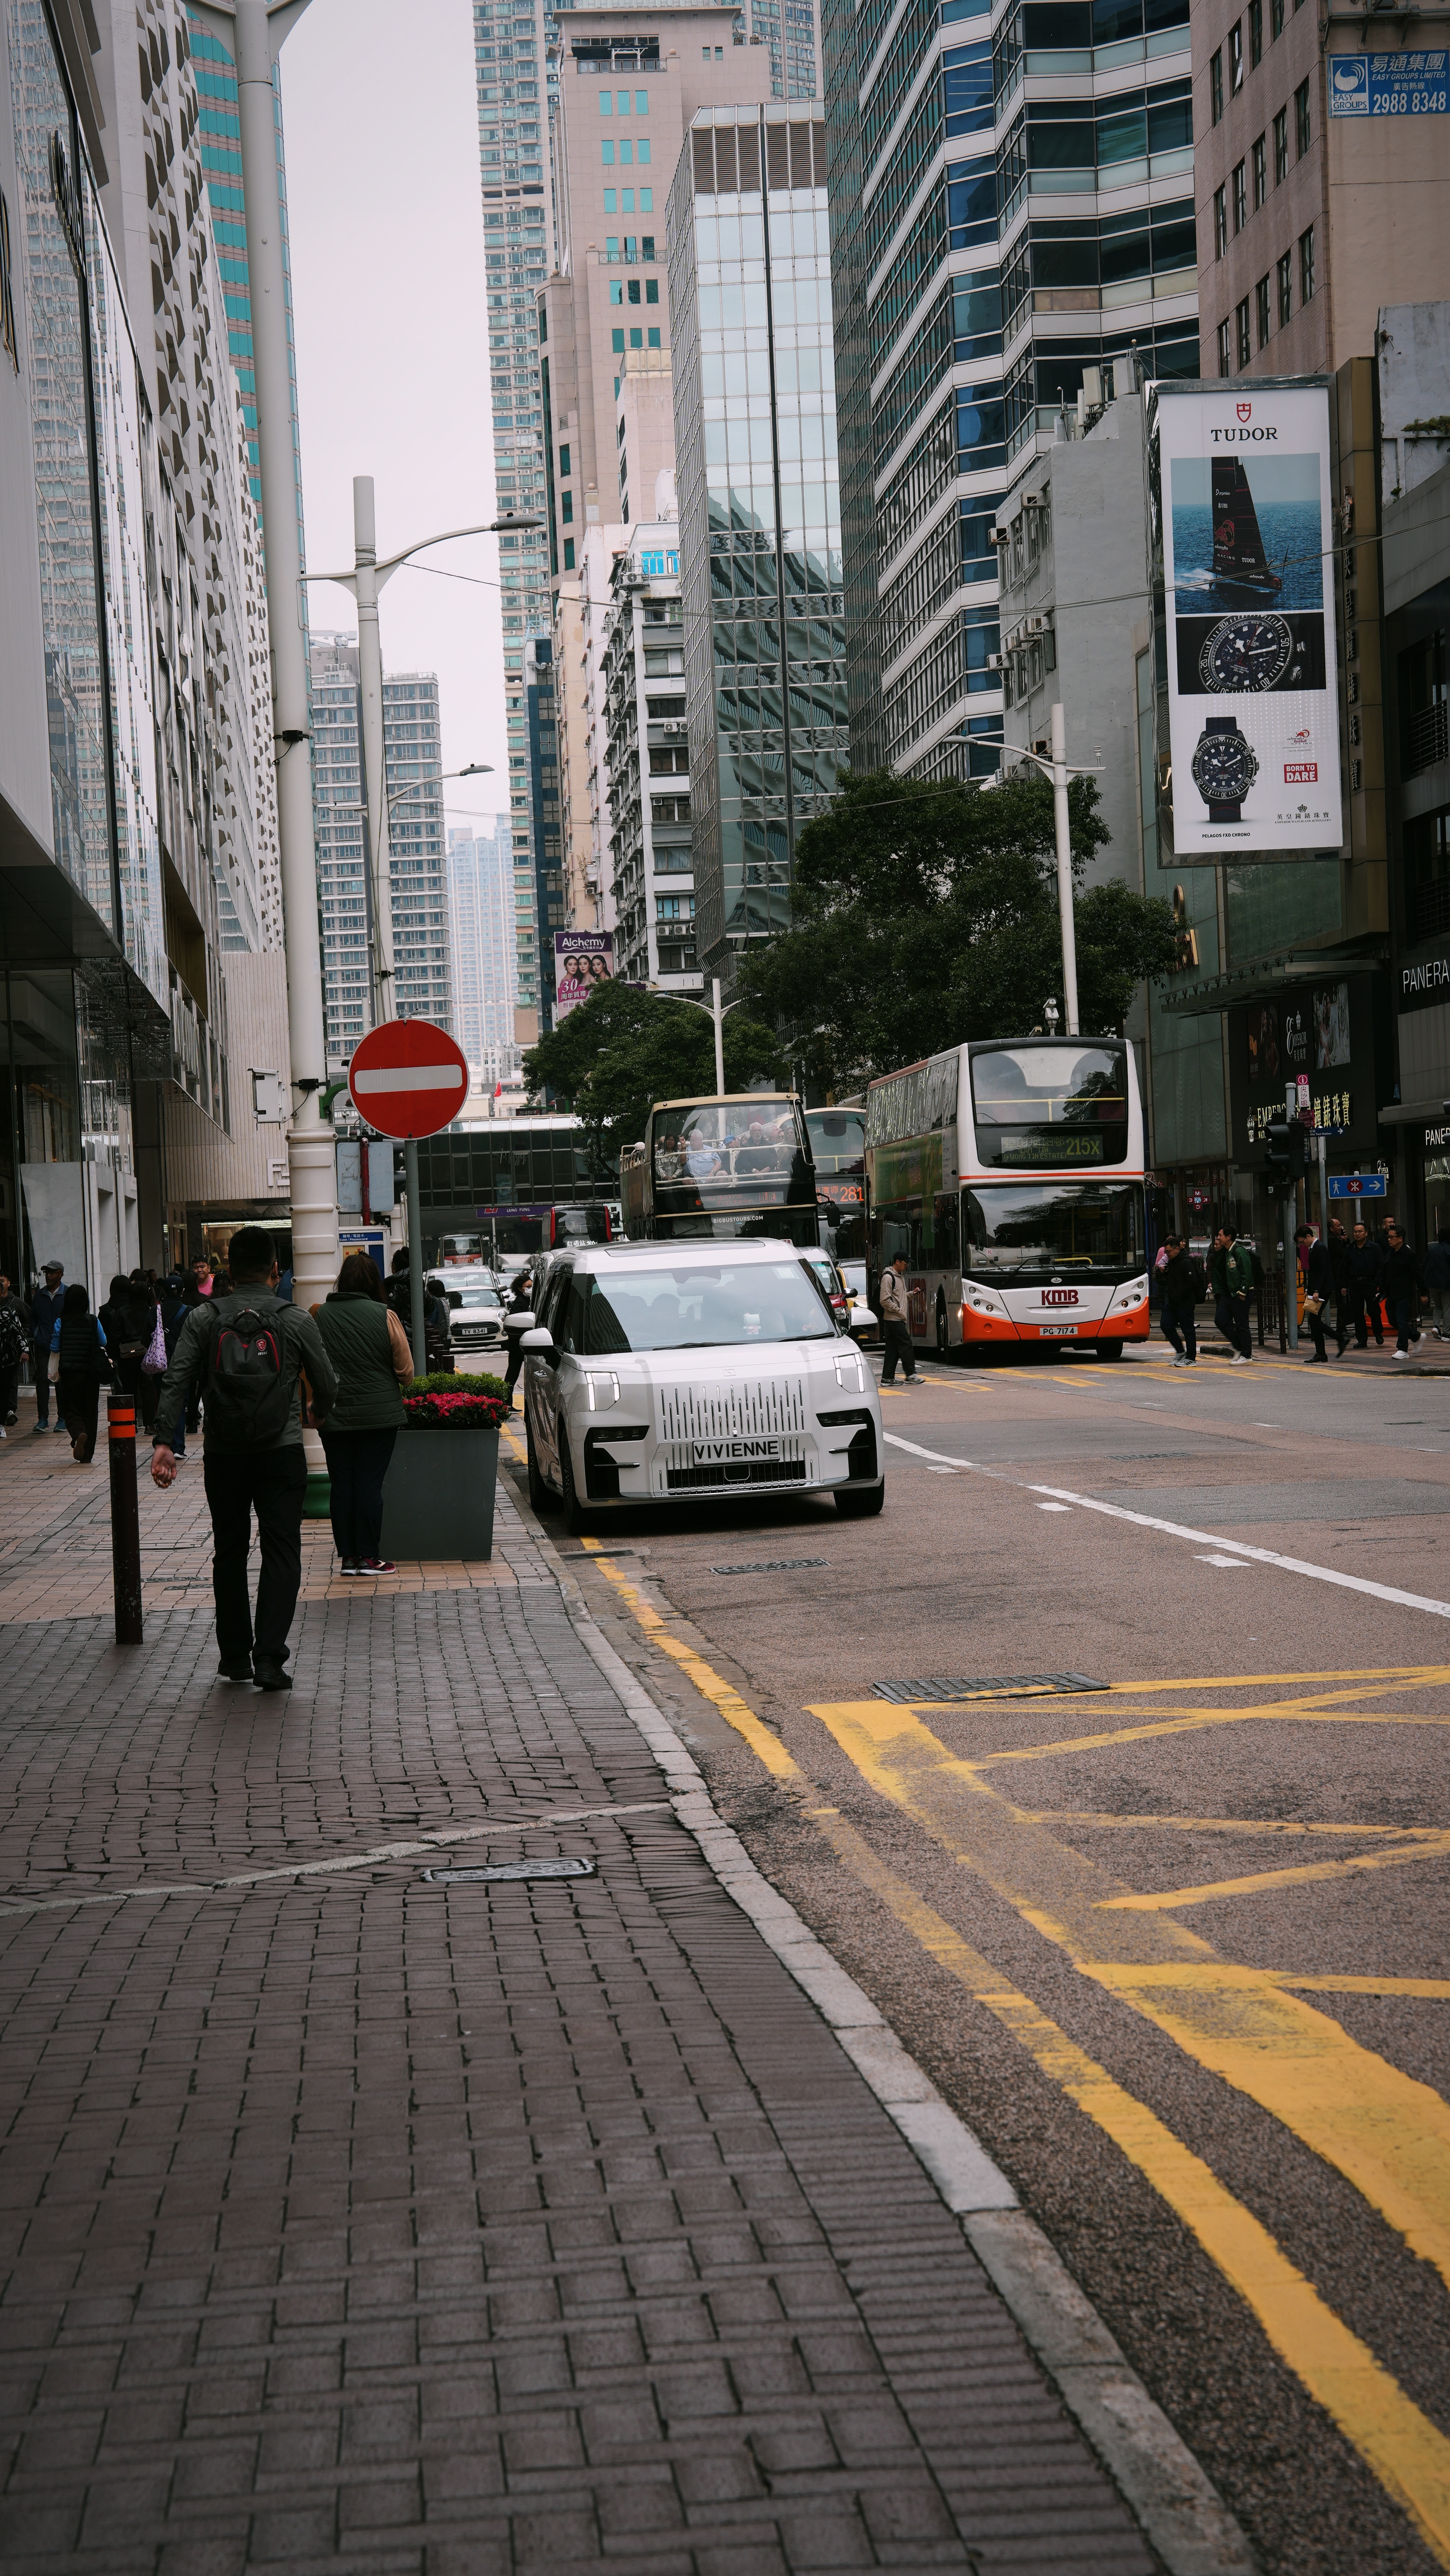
column 1245, row 507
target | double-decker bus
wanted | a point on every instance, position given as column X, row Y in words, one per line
column 1009, row 1173
column 838, row 1148
column 734, row 1164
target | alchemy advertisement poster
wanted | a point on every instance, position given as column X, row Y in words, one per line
column 1245, row 507
column 582, row 959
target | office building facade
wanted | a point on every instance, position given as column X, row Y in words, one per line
column 1012, row 220
column 651, row 857
column 422, row 986
column 137, row 807
column 484, row 947
column 759, row 513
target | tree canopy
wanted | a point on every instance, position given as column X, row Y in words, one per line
column 925, row 913
column 611, row 1057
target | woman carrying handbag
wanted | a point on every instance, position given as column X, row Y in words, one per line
column 78, row 1362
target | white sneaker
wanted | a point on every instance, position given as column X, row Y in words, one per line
column 1402, row 1355
column 1181, row 1361
column 1240, row 1360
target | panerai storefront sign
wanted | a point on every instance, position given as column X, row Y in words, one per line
column 1426, row 980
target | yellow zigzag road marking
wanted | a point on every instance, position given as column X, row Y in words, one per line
column 1387, row 2133
column 1426, row 1847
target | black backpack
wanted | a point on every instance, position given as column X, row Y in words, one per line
column 248, row 1399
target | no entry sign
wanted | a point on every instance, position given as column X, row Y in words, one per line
column 408, row 1078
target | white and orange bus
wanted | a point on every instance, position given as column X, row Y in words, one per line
column 1010, row 1172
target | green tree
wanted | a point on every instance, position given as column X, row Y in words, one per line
column 925, row 913
column 613, row 1056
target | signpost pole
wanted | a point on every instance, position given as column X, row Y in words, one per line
column 1291, row 1212
column 718, row 1016
column 1323, row 1142
column 415, row 1259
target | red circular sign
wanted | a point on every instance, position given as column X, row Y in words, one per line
column 408, row 1078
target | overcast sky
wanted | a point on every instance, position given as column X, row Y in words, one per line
column 392, row 341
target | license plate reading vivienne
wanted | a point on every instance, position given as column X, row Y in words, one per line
column 710, row 1452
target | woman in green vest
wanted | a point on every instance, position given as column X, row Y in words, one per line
column 369, row 1350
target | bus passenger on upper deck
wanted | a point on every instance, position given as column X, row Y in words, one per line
column 669, row 1160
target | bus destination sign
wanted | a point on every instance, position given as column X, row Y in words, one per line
column 1052, row 1148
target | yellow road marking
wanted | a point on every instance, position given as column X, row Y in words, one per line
column 1394, row 1676
column 1408, row 2454
column 766, row 1746
column 1436, row 1989
column 1386, row 2132
column 1426, row 1846
column 1192, row 1721
column 1100, row 1819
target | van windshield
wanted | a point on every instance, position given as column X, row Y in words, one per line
column 700, row 1306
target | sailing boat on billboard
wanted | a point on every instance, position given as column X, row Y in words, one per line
column 1241, row 569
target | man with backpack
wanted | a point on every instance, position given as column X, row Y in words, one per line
column 1231, row 1277
column 243, row 1353
column 1183, row 1285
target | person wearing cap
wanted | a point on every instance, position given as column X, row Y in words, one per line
column 45, row 1308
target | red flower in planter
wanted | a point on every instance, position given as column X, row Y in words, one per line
column 456, row 1412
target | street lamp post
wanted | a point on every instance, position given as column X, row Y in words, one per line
column 713, row 1012
column 252, row 32
column 1060, row 772
column 366, row 580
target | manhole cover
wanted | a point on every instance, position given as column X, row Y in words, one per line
column 513, row 1869
column 991, row 1686
column 770, row 1565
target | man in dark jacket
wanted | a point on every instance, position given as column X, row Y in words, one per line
column 1231, row 1277
column 1179, row 1293
column 45, row 1308
column 1318, row 1269
column 249, row 1467
column 1338, row 1249
column 521, row 1302
column 1366, row 1285
column 1402, row 1290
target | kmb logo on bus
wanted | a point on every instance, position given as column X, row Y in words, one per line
column 1059, row 1296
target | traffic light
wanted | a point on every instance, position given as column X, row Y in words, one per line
column 1278, row 1153
column 1300, row 1143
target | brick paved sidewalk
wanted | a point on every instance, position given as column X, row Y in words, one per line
column 353, row 2221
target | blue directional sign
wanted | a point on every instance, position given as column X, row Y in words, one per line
column 1408, row 84
column 1357, row 1185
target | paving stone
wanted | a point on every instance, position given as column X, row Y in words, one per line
column 356, row 2223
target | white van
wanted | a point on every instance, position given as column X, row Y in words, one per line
column 682, row 1372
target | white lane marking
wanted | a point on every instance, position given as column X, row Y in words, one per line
column 352, row 1860
column 1052, row 1507
column 1260, row 1555
column 1201, row 1538
column 1235, row 1564
column 941, row 1471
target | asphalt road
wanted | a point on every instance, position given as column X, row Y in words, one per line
column 1176, row 1946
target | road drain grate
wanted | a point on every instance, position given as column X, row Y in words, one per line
column 771, row 1565
column 513, row 1869
column 992, row 1686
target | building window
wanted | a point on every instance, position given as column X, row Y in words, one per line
column 1236, row 57
column 607, row 153
column 1225, row 353
column 1306, row 266
column 1285, row 273
column 564, row 466
column 616, row 290
column 1241, row 195
column 1220, row 221
column 566, row 509
column 1241, row 332
column 606, row 102
column 1261, row 311
column 1276, row 20
column 1260, row 160
column 568, row 554
column 616, row 342
column 652, row 337
column 1215, row 88
column 1301, row 120
column 1256, row 34
column 651, row 290
column 1281, row 147
column 634, row 290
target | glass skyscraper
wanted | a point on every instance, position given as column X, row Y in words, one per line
column 485, row 974
column 1012, row 225
column 760, row 536
column 422, row 981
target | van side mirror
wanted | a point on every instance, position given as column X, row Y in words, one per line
column 538, row 1341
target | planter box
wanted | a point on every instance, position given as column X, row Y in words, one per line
column 438, row 1495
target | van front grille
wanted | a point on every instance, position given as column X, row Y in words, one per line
column 743, row 1408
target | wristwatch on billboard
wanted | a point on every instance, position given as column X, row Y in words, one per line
column 1247, row 652
column 1223, row 768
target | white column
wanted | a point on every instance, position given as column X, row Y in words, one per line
column 374, row 747
column 1064, row 868
column 253, row 34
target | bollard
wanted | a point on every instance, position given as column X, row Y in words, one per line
column 125, row 1518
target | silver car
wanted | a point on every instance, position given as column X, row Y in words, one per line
column 684, row 1372
column 475, row 1320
